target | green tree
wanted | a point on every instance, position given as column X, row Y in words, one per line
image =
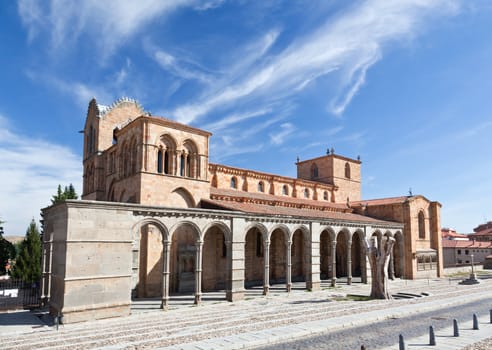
column 7, row 251
column 28, row 262
column 67, row 193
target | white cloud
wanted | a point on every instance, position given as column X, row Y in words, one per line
column 31, row 172
column 281, row 135
column 349, row 44
column 110, row 23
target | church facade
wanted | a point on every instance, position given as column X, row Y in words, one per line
column 157, row 219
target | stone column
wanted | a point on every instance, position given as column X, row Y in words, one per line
column 198, row 272
column 333, row 263
column 177, row 170
column 266, row 277
column 165, row 274
column 288, row 245
column 349, row 262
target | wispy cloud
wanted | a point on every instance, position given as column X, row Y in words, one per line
column 109, row 23
column 282, row 134
column 349, row 44
column 31, row 171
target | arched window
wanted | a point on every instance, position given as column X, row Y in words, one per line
column 261, row 187
column 347, row 170
column 188, row 165
column 159, row 161
column 166, row 162
column 182, row 167
column 306, row 193
column 421, row 225
column 325, row 195
column 314, row 171
column 285, row 190
column 233, row 182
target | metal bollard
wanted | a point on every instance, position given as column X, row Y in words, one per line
column 401, row 342
column 475, row 322
column 490, row 316
column 432, row 336
column 362, row 347
column 456, row 331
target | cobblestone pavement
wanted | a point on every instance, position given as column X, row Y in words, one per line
column 385, row 334
column 255, row 320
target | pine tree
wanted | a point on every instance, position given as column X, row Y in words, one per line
column 28, row 263
column 7, row 251
column 67, row 193
column 70, row 193
column 59, row 197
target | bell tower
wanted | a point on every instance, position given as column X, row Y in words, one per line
column 336, row 170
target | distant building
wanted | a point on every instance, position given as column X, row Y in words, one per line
column 458, row 248
column 156, row 219
column 451, row 234
column 482, row 233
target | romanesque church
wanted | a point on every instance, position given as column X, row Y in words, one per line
column 157, row 219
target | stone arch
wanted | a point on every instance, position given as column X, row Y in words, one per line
column 150, row 235
column 181, row 198
column 254, row 255
column 327, row 237
column 358, row 255
column 214, row 258
column 343, row 237
column 185, row 239
column 299, row 255
column 279, row 236
column 285, row 230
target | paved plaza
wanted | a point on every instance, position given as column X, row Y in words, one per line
column 260, row 321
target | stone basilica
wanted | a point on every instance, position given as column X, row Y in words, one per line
column 157, row 219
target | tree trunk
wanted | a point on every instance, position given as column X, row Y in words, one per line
column 379, row 259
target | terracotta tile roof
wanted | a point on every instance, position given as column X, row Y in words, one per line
column 486, row 232
column 381, row 201
column 255, row 208
column 221, row 194
column 448, row 243
column 449, row 234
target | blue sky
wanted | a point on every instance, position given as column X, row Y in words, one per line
column 406, row 85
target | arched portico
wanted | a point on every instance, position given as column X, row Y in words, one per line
column 299, row 257
column 254, row 256
column 186, row 260
column 279, row 258
column 215, row 259
column 358, row 254
column 342, row 250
